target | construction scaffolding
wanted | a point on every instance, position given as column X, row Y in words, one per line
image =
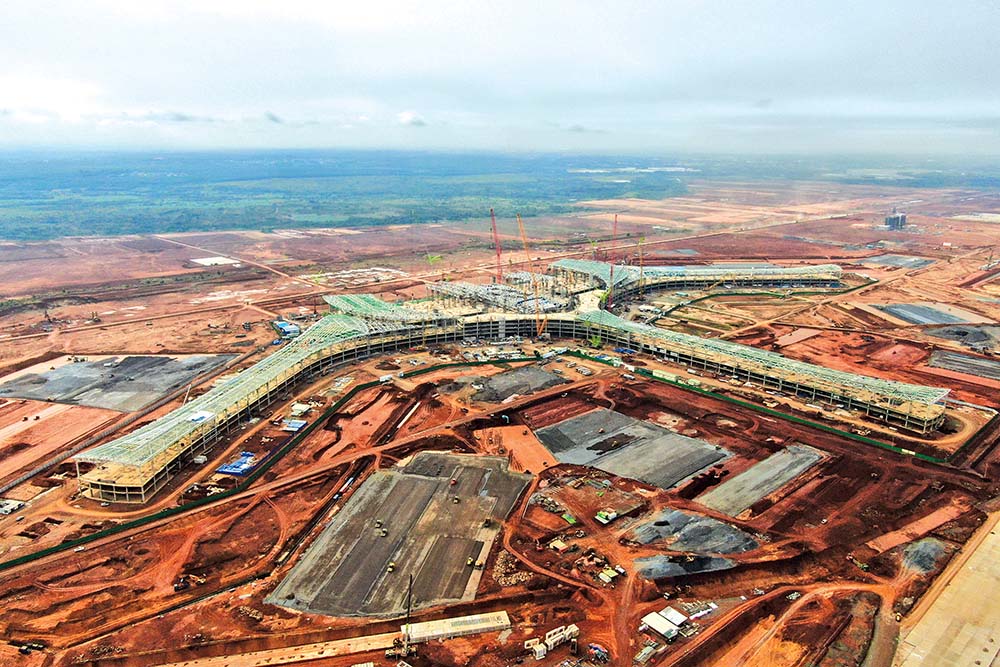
column 631, row 279
column 502, row 297
column 370, row 307
column 915, row 407
column 545, row 282
column 132, row 468
column 591, row 273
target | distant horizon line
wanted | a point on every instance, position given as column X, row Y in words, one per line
column 661, row 154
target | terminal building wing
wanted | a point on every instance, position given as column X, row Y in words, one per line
column 915, row 407
column 134, row 467
column 626, row 279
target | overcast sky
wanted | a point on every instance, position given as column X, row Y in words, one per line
column 758, row 76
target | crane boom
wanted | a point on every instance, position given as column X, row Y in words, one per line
column 539, row 325
column 641, row 266
column 611, row 277
column 611, row 286
column 614, row 235
column 496, row 244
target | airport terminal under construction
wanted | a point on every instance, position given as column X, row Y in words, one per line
column 628, row 280
column 680, row 446
column 131, row 469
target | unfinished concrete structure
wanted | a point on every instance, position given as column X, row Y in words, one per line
column 627, row 280
column 404, row 520
column 915, row 407
column 134, row 467
column 494, row 296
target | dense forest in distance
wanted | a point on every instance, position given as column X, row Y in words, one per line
column 50, row 194
column 129, row 193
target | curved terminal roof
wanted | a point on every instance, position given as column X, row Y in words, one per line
column 745, row 271
column 499, row 296
column 370, row 307
column 895, row 392
column 625, row 275
column 598, row 270
column 145, row 444
column 527, row 277
column 161, row 437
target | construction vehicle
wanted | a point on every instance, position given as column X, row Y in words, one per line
column 400, row 651
column 716, row 283
column 861, row 566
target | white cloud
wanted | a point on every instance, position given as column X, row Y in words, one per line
column 565, row 74
column 410, row 118
column 68, row 99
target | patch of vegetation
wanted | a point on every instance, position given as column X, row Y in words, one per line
column 44, row 196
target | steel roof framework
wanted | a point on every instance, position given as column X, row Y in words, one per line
column 370, row 307
column 499, row 296
column 379, row 325
column 627, row 275
column 146, row 444
column 892, row 391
